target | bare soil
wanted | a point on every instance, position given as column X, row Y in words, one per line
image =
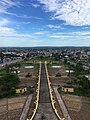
column 10, row 109
column 54, row 71
column 28, row 81
column 58, row 80
column 78, row 107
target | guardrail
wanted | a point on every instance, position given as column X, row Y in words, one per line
column 37, row 96
column 51, row 95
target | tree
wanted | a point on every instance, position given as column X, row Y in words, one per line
column 56, row 56
column 7, row 69
column 8, row 84
column 58, row 75
column 28, row 55
column 85, row 83
column 28, row 75
column 78, row 68
column 65, row 60
column 2, row 56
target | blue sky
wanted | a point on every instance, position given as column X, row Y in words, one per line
column 28, row 23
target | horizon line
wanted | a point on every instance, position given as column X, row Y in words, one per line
column 38, row 46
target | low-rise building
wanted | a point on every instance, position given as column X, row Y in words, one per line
column 67, row 88
column 21, row 89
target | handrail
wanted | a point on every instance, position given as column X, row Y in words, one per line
column 51, row 95
column 37, row 96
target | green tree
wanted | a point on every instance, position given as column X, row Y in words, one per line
column 2, row 56
column 7, row 68
column 56, row 56
column 78, row 68
column 58, row 75
column 85, row 83
column 8, row 84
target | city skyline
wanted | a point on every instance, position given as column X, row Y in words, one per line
column 44, row 23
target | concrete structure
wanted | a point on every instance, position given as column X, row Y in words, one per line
column 26, row 108
column 62, row 105
column 68, row 88
column 21, row 90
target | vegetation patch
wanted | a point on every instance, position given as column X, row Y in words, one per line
column 8, row 85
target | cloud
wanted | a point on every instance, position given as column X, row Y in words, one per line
column 68, row 37
column 24, row 16
column 4, row 22
column 74, row 33
column 6, row 31
column 5, row 4
column 80, row 35
column 11, row 32
column 55, row 36
column 26, row 23
column 73, row 12
column 17, row 42
column 54, row 26
column 40, row 33
column 35, row 5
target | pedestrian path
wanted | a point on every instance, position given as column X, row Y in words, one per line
column 26, row 108
column 45, row 110
column 62, row 105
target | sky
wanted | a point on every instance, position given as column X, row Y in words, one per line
column 30, row 23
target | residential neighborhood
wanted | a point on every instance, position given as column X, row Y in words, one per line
column 44, row 59
column 67, row 71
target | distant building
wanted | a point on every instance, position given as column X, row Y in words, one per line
column 87, row 76
column 67, row 88
column 85, row 67
column 84, row 57
column 21, row 89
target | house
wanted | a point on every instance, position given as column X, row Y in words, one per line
column 67, row 88
column 84, row 57
column 21, row 89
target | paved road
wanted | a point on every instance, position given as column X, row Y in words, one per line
column 62, row 105
column 45, row 111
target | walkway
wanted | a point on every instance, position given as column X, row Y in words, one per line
column 62, row 105
column 45, row 111
column 26, row 108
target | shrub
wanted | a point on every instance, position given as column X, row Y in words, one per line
column 28, row 75
column 58, row 75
